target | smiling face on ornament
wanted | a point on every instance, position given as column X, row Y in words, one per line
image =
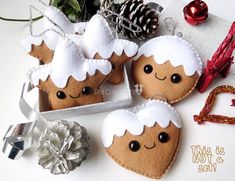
column 76, row 93
column 146, row 141
column 149, row 153
column 71, row 79
column 166, row 71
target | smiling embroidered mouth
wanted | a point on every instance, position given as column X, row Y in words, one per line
column 151, row 147
column 74, row 97
column 159, row 77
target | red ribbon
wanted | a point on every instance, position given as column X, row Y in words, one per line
column 220, row 63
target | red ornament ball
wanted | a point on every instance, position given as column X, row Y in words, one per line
column 196, row 12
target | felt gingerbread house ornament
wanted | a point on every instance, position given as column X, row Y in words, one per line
column 99, row 41
column 71, row 80
column 145, row 141
column 167, row 67
column 43, row 47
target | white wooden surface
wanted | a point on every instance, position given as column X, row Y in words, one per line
column 14, row 64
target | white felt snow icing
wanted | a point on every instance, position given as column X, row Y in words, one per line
column 68, row 61
column 59, row 18
column 80, row 27
column 99, row 38
column 75, row 38
column 50, row 37
column 28, row 41
column 51, row 42
column 174, row 49
column 153, row 111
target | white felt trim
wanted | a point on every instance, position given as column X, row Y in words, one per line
column 99, row 38
column 80, row 27
column 75, row 38
column 51, row 38
column 60, row 19
column 68, row 61
column 42, row 71
column 28, row 41
column 175, row 49
column 120, row 121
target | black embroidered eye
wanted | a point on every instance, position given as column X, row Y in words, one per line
column 113, row 66
column 134, row 146
column 87, row 90
column 148, row 69
column 163, row 137
column 176, row 78
column 61, row 95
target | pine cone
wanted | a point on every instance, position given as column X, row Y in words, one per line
column 140, row 14
column 63, row 147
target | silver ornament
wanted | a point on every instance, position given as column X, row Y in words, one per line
column 62, row 147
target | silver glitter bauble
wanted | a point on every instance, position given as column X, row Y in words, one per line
column 62, row 147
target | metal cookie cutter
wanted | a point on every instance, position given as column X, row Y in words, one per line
column 20, row 137
column 17, row 139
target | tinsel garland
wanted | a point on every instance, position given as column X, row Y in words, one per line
column 204, row 114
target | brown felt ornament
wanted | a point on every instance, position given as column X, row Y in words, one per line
column 95, row 39
column 54, row 24
column 42, row 53
column 167, row 67
column 71, row 80
column 145, row 141
column 99, row 41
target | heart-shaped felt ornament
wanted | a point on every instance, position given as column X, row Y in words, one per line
column 144, row 141
column 204, row 114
